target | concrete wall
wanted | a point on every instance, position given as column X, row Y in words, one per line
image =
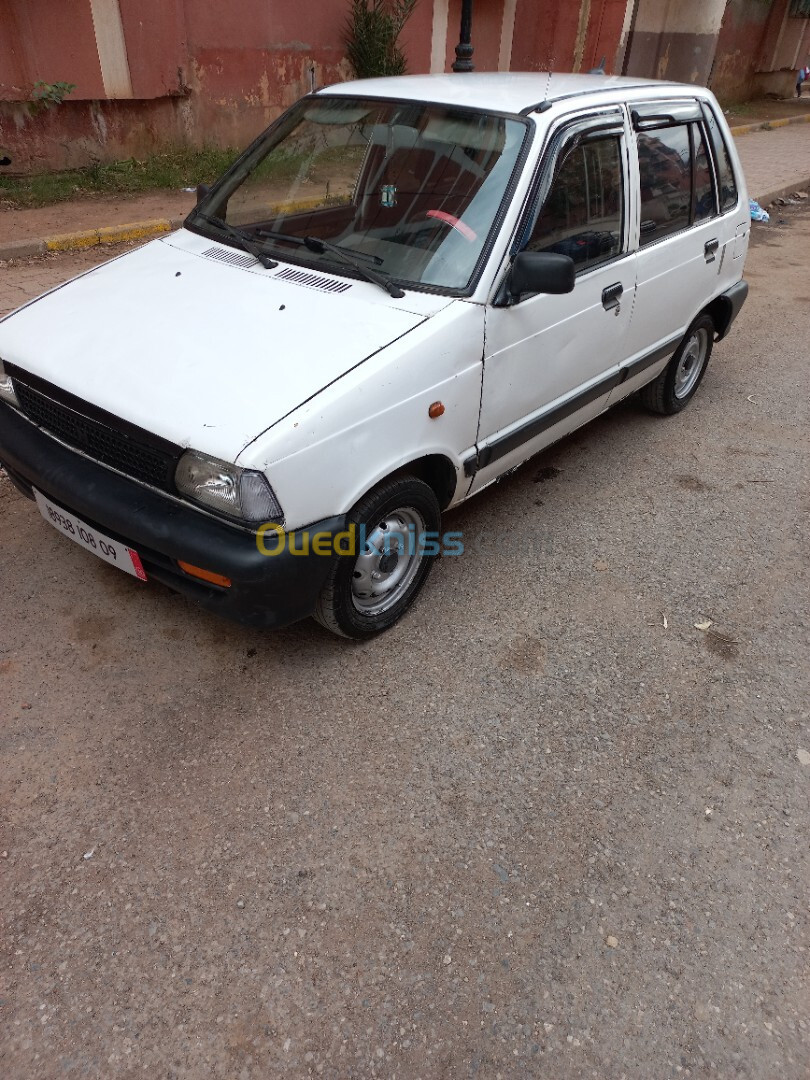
column 152, row 73
column 759, row 49
column 785, row 48
column 567, row 36
column 40, row 39
column 738, row 45
column 741, row 48
column 674, row 39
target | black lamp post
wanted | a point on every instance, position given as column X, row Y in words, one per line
column 464, row 50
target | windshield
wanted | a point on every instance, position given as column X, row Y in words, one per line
column 408, row 189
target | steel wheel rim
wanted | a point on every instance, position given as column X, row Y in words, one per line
column 691, row 364
column 389, row 562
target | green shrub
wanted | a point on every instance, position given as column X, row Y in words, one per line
column 371, row 34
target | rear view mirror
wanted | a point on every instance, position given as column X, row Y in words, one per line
column 541, row 272
column 202, row 191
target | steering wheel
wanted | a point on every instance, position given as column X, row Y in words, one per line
column 455, row 223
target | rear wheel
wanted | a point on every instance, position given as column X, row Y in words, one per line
column 370, row 589
column 676, row 385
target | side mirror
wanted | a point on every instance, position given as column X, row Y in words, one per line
column 541, row 272
column 202, row 191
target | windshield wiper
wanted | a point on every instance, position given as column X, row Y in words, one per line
column 323, row 246
column 314, row 243
column 243, row 241
column 271, row 234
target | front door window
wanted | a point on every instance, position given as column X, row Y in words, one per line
column 583, row 214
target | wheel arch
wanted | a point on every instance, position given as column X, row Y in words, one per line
column 437, row 471
column 719, row 311
column 724, row 309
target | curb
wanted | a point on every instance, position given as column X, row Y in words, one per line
column 76, row 241
column 111, row 234
column 768, row 125
column 783, row 192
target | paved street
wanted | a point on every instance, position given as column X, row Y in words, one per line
column 544, row 827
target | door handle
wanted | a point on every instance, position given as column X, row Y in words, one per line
column 611, row 297
column 710, row 250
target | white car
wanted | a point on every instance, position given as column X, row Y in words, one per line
column 403, row 289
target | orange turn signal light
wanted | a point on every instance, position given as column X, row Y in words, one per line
column 205, row 575
column 436, row 410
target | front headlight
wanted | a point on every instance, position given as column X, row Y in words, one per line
column 243, row 494
column 7, row 391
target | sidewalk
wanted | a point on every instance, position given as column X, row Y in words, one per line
column 83, row 214
column 775, row 163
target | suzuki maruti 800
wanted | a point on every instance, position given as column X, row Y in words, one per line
column 399, row 292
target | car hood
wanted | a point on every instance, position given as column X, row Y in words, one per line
column 179, row 339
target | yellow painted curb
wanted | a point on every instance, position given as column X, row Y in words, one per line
column 767, row 125
column 112, row 234
column 143, row 230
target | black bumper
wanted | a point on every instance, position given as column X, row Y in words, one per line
column 266, row 590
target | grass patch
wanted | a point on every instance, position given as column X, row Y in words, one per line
column 174, row 170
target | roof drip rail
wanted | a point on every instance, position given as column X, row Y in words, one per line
column 545, row 105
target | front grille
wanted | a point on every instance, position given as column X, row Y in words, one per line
column 150, row 464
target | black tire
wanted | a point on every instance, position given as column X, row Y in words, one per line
column 675, row 387
column 403, row 508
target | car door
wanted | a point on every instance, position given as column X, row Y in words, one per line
column 551, row 361
column 682, row 239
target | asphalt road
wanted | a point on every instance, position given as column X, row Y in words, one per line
column 545, row 827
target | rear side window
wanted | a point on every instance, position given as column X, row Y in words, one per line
column 725, row 173
column 583, row 213
column 677, row 184
column 665, row 168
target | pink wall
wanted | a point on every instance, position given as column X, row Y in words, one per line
column 604, row 33
column 207, row 72
column 202, row 72
column 244, row 71
column 155, row 35
column 486, row 35
column 544, row 36
column 54, row 42
column 416, row 38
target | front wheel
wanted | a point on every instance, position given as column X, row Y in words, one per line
column 676, row 385
column 369, row 589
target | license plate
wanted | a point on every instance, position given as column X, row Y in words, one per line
column 86, row 536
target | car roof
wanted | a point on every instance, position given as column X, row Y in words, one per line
column 510, row 92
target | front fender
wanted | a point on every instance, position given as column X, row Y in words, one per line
column 374, row 420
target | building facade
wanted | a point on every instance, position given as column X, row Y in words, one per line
column 153, row 73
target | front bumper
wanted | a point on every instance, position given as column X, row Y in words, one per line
column 266, row 590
